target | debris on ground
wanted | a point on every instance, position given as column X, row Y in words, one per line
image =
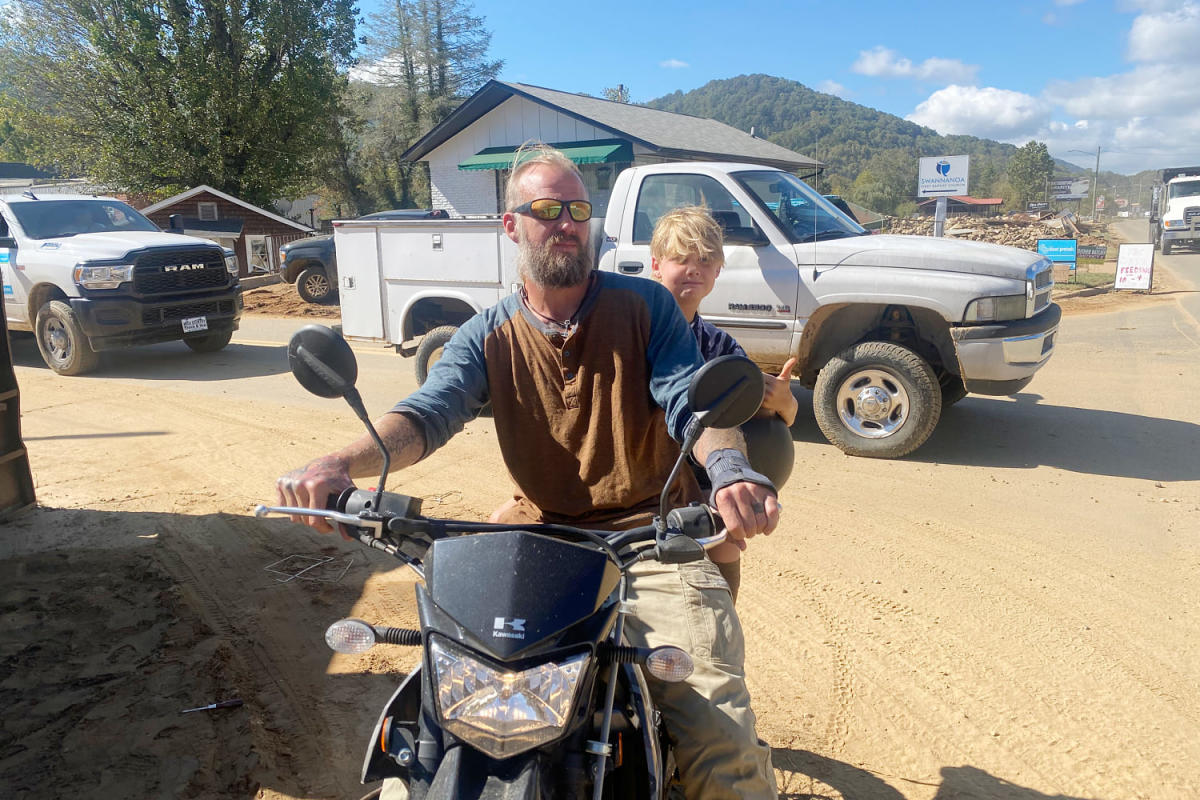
column 281, row 300
column 1016, row 230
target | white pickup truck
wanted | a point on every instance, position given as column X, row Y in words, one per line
column 87, row 274
column 887, row 329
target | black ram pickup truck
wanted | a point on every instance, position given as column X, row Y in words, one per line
column 311, row 263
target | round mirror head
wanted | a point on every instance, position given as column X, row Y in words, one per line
column 322, row 361
column 726, row 392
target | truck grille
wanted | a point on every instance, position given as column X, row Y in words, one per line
column 163, row 314
column 1190, row 214
column 1043, row 283
column 168, row 271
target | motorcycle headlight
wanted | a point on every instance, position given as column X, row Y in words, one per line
column 995, row 309
column 504, row 713
column 105, row 277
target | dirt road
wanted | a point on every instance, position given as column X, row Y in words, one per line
column 1009, row 613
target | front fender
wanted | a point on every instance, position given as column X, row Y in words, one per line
column 467, row 773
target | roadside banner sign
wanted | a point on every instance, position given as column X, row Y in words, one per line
column 1135, row 266
column 1037, row 206
column 1070, row 188
column 1093, row 252
column 1060, row 251
column 943, row 176
column 1063, row 252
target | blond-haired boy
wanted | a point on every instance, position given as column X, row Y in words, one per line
column 686, row 255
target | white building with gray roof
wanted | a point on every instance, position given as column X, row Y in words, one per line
column 470, row 152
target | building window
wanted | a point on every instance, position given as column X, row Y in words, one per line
column 207, row 211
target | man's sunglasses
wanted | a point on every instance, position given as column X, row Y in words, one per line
column 548, row 209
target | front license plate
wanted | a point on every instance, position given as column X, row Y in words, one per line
column 193, row 324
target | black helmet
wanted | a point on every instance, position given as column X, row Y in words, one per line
column 770, row 448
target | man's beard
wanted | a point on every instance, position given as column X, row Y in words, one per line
column 551, row 268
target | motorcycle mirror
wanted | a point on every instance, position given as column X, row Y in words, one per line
column 726, row 392
column 322, row 361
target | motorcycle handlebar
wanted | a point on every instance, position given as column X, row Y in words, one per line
column 370, row 515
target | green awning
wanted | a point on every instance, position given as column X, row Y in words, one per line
column 598, row 151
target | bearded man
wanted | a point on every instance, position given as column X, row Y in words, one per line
column 587, row 374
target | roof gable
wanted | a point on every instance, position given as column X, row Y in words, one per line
column 190, row 193
column 665, row 132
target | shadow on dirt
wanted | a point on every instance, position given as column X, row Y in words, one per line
column 808, row 776
column 972, row 783
column 1022, row 433
column 994, row 432
column 115, row 622
column 170, row 361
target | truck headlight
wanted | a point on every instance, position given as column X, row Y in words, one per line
column 1173, row 223
column 504, row 713
column 996, row 309
column 103, row 277
column 231, row 262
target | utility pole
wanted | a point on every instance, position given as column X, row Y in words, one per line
column 1096, row 185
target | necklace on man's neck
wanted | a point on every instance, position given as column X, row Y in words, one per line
column 569, row 322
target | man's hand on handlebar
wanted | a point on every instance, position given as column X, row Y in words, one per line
column 747, row 509
column 311, row 486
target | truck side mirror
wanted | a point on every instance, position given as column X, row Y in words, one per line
column 753, row 237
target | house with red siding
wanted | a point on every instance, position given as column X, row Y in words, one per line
column 254, row 233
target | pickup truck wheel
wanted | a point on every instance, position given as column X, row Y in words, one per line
column 210, row 343
column 313, row 286
column 430, row 350
column 65, row 347
column 877, row 399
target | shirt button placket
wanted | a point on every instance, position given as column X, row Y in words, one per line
column 569, row 371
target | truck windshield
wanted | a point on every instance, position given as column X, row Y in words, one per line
column 1183, row 189
column 49, row 219
column 802, row 214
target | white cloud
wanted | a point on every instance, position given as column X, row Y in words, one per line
column 673, row 63
column 881, row 62
column 1146, row 117
column 833, row 88
column 1143, row 91
column 989, row 112
column 1168, row 36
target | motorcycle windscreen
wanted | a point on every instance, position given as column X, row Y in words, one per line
column 514, row 590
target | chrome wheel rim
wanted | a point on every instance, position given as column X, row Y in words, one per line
column 58, row 341
column 872, row 403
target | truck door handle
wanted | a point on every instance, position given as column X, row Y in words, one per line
column 631, row 267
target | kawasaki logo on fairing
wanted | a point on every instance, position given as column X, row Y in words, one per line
column 516, row 628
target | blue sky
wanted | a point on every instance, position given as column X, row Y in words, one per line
column 1122, row 75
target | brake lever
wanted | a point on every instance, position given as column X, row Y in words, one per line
column 337, row 516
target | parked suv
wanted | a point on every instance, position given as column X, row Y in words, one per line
column 311, row 263
column 86, row 274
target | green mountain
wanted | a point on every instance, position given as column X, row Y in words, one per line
column 871, row 156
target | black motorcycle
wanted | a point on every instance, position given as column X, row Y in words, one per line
column 526, row 689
